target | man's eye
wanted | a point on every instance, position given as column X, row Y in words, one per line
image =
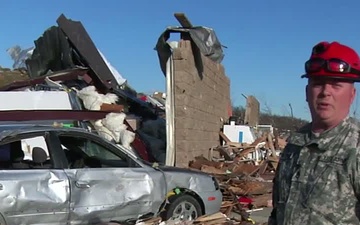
column 336, row 85
column 318, row 84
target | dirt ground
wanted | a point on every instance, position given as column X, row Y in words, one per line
column 261, row 216
column 258, row 216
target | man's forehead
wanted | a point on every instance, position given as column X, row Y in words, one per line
column 328, row 80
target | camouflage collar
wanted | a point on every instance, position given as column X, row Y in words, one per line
column 304, row 136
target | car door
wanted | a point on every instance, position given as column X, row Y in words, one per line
column 31, row 193
column 105, row 184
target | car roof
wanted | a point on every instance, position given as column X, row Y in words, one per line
column 22, row 128
column 13, row 129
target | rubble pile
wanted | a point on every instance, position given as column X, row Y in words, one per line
column 217, row 218
column 245, row 182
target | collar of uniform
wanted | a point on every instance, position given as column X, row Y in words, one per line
column 299, row 137
column 304, row 136
column 325, row 138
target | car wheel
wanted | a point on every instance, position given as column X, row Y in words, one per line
column 183, row 207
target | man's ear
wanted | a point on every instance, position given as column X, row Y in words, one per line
column 353, row 94
column 306, row 93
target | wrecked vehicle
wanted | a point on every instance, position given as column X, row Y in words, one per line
column 61, row 175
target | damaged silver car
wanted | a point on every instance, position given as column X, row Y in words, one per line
column 57, row 175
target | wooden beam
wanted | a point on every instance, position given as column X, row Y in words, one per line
column 183, row 20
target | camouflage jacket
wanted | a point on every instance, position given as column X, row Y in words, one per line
column 318, row 177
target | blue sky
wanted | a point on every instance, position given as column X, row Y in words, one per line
column 268, row 41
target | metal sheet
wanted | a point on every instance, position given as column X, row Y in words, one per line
column 200, row 183
column 101, row 195
column 196, row 181
column 30, row 196
column 170, row 113
column 80, row 39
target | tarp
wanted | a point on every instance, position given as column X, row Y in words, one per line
column 204, row 38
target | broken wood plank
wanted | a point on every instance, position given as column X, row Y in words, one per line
column 212, row 170
column 214, row 216
column 183, row 20
column 224, row 137
column 246, row 151
column 224, row 153
column 271, row 144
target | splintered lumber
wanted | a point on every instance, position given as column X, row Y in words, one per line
column 212, row 170
column 271, row 144
column 281, row 143
column 239, row 180
column 224, row 153
column 200, row 161
column 222, row 167
column 151, row 221
column 262, row 200
column 259, row 140
column 246, row 151
column 236, row 144
column 263, row 167
column 251, row 187
column 215, row 216
column 213, row 219
column 244, row 168
column 224, row 137
column 274, row 161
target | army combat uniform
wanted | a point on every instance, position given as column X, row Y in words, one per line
column 318, row 177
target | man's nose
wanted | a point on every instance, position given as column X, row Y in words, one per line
column 326, row 89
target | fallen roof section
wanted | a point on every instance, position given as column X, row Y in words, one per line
column 64, row 75
column 86, row 48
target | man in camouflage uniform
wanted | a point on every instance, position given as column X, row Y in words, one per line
column 318, row 177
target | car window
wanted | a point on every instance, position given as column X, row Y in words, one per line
column 96, row 150
column 85, row 153
column 25, row 153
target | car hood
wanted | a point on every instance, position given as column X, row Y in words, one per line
column 187, row 178
column 171, row 169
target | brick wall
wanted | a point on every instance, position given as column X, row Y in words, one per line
column 201, row 102
column 252, row 111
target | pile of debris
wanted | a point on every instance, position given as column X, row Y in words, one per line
column 216, row 218
column 65, row 59
column 245, row 183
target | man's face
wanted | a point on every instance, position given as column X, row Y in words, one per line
column 329, row 99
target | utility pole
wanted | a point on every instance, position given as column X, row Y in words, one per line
column 291, row 111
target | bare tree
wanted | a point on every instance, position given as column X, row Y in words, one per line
column 285, row 110
column 267, row 110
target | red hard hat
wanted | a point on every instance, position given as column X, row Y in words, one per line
column 333, row 60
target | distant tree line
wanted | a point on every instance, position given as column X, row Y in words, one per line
column 282, row 123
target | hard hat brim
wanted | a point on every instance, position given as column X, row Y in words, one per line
column 331, row 76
